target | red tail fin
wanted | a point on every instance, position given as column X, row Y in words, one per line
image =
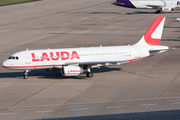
column 154, row 33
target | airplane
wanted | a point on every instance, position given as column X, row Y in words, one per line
column 159, row 5
column 76, row 61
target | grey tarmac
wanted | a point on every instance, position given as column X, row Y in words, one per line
column 147, row 85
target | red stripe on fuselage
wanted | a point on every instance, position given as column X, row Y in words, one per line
column 36, row 66
column 132, row 60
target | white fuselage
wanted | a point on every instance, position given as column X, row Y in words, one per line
column 76, row 61
column 159, row 5
column 148, row 4
column 56, row 58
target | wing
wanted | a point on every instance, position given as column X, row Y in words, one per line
column 99, row 63
column 91, row 64
column 155, row 6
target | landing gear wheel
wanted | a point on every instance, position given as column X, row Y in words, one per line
column 89, row 74
column 157, row 11
column 25, row 76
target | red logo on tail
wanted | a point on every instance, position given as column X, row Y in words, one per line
column 147, row 36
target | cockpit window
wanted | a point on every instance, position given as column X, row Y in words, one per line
column 10, row 57
column 14, row 57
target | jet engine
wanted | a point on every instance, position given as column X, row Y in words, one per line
column 72, row 70
column 167, row 9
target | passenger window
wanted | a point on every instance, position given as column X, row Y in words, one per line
column 17, row 58
column 13, row 58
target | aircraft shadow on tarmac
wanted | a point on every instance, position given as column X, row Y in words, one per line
column 140, row 12
column 122, row 13
column 129, row 13
column 143, row 12
column 103, row 12
column 171, row 27
column 170, row 40
column 175, row 46
column 40, row 74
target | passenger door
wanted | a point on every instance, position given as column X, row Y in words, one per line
column 138, row 53
column 27, row 58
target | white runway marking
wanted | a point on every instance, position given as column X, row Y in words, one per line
column 174, row 100
column 45, row 111
column 176, row 103
column 75, row 106
column 128, row 103
column 8, row 113
column 81, row 109
column 148, row 104
column 115, row 107
column 25, row 109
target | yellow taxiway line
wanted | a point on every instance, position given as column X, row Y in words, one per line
column 94, row 95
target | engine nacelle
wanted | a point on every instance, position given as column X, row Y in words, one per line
column 72, row 71
column 167, row 9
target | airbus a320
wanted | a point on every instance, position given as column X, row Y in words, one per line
column 76, row 61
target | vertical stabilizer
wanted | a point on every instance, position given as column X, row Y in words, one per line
column 153, row 34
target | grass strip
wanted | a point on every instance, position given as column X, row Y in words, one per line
column 9, row 2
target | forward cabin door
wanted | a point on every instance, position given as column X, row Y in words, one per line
column 27, row 58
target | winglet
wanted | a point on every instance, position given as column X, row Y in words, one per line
column 153, row 34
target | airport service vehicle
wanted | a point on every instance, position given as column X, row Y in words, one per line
column 76, row 61
column 159, row 5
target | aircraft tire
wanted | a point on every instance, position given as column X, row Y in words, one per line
column 157, row 12
column 25, row 76
column 89, row 74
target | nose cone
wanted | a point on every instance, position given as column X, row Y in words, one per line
column 5, row 64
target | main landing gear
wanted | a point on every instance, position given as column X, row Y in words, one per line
column 26, row 74
column 157, row 11
column 89, row 73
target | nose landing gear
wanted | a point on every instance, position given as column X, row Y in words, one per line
column 26, row 74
